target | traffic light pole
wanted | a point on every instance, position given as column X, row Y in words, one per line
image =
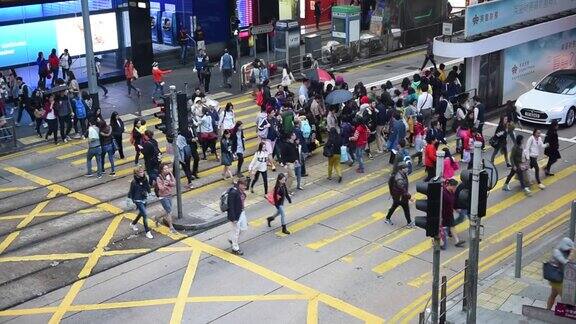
column 474, row 232
column 90, row 63
column 436, row 247
column 174, row 112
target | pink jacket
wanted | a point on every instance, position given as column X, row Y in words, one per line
column 165, row 185
column 450, row 168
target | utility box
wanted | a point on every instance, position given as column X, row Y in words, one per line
column 346, row 24
column 313, row 45
column 287, row 43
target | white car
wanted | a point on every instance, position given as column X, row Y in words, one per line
column 553, row 98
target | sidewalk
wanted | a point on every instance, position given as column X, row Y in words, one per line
column 501, row 296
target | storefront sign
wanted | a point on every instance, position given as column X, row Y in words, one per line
column 261, row 29
column 496, row 14
column 530, row 62
column 565, row 310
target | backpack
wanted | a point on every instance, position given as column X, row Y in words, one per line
column 263, row 131
column 224, row 200
column 327, row 151
column 305, row 128
column 449, row 112
column 260, row 98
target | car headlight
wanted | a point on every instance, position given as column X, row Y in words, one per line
column 518, row 104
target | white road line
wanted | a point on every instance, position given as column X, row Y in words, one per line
column 529, row 131
column 406, row 75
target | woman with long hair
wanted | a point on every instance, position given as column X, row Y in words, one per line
column 238, row 145
column 139, row 190
column 165, row 184
column 259, row 166
column 227, row 119
column 450, row 165
column 332, row 148
column 137, row 136
column 278, row 195
column 551, row 151
column 534, row 145
column 107, row 142
column 226, row 153
column 131, row 74
column 519, row 166
column 500, row 140
column 117, row 130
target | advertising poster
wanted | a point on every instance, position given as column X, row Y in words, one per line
column 530, row 62
column 492, row 15
column 20, row 44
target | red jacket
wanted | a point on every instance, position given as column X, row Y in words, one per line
column 430, row 155
column 361, row 135
column 54, row 61
column 158, row 75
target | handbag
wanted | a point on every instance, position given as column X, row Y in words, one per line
column 129, row 204
column 552, row 272
column 344, row 156
column 207, row 136
column 135, row 74
column 270, row 198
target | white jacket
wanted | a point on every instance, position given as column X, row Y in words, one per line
column 259, row 162
column 533, row 147
column 287, row 78
column 227, row 119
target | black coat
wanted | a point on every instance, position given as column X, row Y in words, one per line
column 117, row 127
column 551, row 150
column 235, row 206
column 139, row 188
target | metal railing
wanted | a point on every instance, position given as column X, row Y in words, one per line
column 8, row 135
column 444, row 309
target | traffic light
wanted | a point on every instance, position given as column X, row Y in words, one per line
column 464, row 192
column 431, row 206
column 165, row 125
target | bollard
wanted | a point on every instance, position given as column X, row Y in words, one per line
column 573, row 221
column 465, row 288
column 443, row 301
column 518, row 265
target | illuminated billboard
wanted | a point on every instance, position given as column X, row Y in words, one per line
column 20, row 44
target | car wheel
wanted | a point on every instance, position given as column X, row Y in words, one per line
column 570, row 115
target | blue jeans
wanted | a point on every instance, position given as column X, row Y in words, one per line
column 141, row 206
column 280, row 211
column 158, row 88
column 183, row 53
column 298, row 172
column 94, row 152
column 108, row 149
column 360, row 157
column 152, row 175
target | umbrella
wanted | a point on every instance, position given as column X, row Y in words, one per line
column 319, row 75
column 338, row 96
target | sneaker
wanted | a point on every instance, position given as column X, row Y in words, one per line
column 527, row 191
column 45, row 125
column 460, row 244
column 89, row 175
column 99, row 176
column 238, row 252
column 339, row 179
column 300, row 188
column 388, row 221
column 411, row 225
column 31, row 124
column 149, row 235
column 541, row 186
column 76, row 136
column 506, row 187
column 112, row 174
column 134, row 227
column 329, row 178
column 65, row 140
column 68, row 138
column 173, row 231
column 83, row 137
column 17, row 124
column 508, row 165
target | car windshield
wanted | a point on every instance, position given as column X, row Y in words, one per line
column 560, row 84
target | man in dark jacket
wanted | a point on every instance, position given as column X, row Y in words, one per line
column 289, row 155
column 152, row 156
column 398, row 185
column 236, row 198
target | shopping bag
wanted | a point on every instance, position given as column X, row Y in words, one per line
column 243, row 222
column 344, row 156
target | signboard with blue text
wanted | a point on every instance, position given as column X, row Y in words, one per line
column 530, row 62
column 487, row 16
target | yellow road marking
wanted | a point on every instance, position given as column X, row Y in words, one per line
column 44, row 257
column 346, row 231
column 312, row 311
column 66, row 302
column 17, row 189
column 8, row 240
column 412, row 310
column 189, row 274
column 497, row 208
column 498, row 237
column 33, row 214
column 28, row 176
